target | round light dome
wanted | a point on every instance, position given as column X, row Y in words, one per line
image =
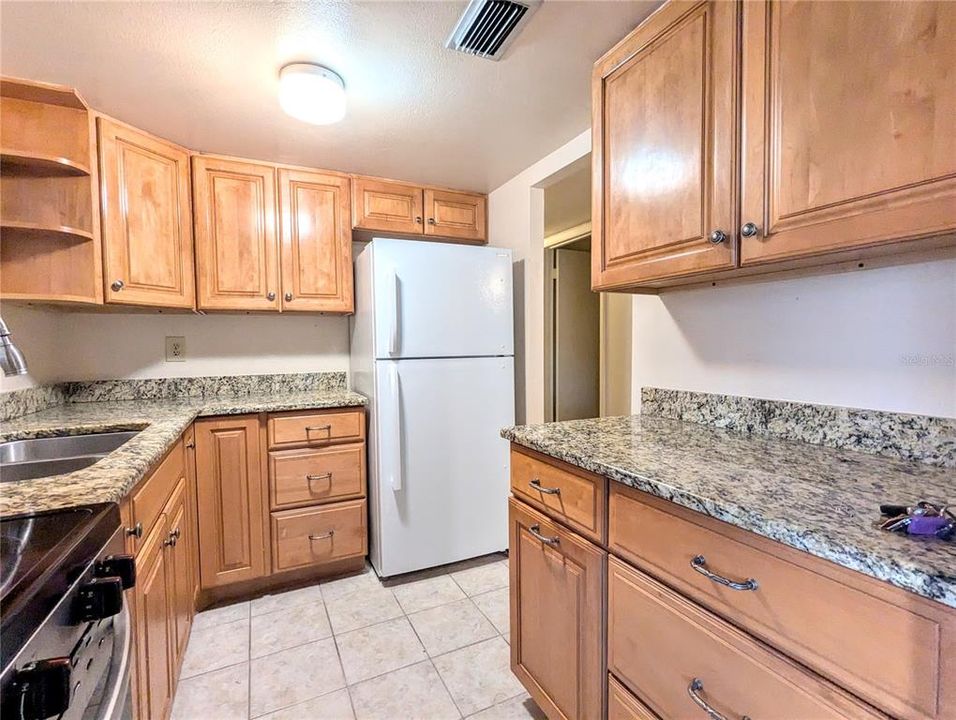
column 311, row 93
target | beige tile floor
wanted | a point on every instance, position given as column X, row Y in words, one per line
column 429, row 646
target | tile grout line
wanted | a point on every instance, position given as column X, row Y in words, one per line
column 338, row 654
column 435, row 667
column 249, row 668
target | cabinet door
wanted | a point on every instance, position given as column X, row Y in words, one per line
column 384, row 205
column 192, row 510
column 237, row 251
column 146, row 218
column 316, row 242
column 849, row 125
column 664, row 147
column 557, row 632
column 231, row 521
column 179, row 572
column 153, row 626
column 455, row 215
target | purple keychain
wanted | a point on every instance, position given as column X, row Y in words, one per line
column 924, row 518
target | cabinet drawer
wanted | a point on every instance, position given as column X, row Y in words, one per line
column 659, row 644
column 885, row 645
column 148, row 499
column 621, row 705
column 312, row 536
column 572, row 496
column 315, row 428
column 307, row 476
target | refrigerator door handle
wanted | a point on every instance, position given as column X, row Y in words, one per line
column 395, row 390
column 394, row 320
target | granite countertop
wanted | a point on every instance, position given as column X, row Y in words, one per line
column 822, row 500
column 160, row 422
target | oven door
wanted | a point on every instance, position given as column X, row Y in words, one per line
column 110, row 698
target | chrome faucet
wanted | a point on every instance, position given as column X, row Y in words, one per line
column 11, row 359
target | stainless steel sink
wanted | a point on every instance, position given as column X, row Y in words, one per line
column 43, row 457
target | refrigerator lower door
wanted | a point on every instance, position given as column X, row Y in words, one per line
column 439, row 478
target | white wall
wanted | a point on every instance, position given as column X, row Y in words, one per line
column 35, row 333
column 516, row 221
column 882, row 339
column 87, row 346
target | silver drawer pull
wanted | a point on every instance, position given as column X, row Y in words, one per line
column 536, row 485
column 536, row 531
column 699, row 562
column 695, row 687
column 316, row 428
column 327, row 535
column 316, row 478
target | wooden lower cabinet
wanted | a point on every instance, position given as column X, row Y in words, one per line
column 153, row 627
column 637, row 628
column 621, row 705
column 163, row 603
column 232, row 536
column 179, row 573
column 680, row 658
column 557, row 581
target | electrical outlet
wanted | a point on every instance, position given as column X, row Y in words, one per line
column 175, row 349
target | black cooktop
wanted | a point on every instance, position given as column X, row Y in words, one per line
column 41, row 556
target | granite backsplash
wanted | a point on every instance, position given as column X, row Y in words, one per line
column 917, row 438
column 24, row 402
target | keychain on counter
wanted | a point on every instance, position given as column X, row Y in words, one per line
column 923, row 518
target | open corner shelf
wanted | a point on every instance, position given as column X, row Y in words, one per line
column 18, row 162
column 14, row 230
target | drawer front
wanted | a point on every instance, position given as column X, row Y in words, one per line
column 307, row 477
column 789, row 602
column 313, row 536
column 148, row 499
column 310, row 429
column 621, row 705
column 575, row 498
column 666, row 650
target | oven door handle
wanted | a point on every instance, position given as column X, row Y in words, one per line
column 117, row 684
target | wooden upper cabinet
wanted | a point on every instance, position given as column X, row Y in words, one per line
column 456, row 215
column 232, row 537
column 849, row 124
column 316, row 242
column 664, row 143
column 237, row 251
column 146, row 218
column 386, row 205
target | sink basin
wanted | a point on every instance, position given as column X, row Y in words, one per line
column 43, row 457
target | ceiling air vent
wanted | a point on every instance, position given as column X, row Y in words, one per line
column 487, row 27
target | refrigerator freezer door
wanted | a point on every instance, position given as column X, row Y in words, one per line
column 441, row 300
column 440, row 478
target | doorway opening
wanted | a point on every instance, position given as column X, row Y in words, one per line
column 587, row 335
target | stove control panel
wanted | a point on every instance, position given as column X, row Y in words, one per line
column 99, row 598
column 40, row 690
column 121, row 566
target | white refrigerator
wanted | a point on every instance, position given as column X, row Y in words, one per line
column 432, row 347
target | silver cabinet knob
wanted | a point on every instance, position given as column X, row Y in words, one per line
column 418, row 219
column 431, row 221
column 749, row 230
column 270, row 296
column 117, row 285
column 718, row 236
column 288, row 297
column 136, row 531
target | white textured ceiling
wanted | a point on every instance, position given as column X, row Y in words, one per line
column 205, row 75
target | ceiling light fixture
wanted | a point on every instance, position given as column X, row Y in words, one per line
column 311, row 93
